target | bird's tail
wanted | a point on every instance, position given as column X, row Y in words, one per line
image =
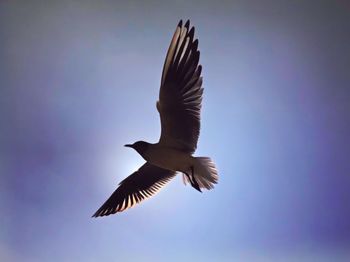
column 204, row 174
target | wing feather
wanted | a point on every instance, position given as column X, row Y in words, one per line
column 181, row 91
column 142, row 184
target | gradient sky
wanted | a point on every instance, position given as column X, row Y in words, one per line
column 79, row 79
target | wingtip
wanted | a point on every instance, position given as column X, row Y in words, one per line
column 98, row 213
column 187, row 24
column 180, row 23
column 191, row 33
column 199, row 69
column 195, row 45
column 102, row 213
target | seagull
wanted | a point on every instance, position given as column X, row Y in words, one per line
column 179, row 107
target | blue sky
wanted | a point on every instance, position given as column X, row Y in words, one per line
column 79, row 79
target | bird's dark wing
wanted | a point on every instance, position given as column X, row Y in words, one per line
column 181, row 92
column 142, row 184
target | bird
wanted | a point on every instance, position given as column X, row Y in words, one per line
column 179, row 107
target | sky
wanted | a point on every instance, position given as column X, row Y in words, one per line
column 79, row 79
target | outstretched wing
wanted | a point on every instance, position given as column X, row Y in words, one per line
column 181, row 92
column 142, row 184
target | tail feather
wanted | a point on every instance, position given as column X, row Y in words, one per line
column 205, row 173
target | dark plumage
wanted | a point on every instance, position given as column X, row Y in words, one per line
column 179, row 107
column 139, row 146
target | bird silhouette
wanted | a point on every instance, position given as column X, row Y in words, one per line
column 179, row 107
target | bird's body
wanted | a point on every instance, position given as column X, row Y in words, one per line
column 168, row 158
column 179, row 105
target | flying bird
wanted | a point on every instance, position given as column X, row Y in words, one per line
column 179, row 107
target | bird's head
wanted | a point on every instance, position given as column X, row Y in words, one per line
column 139, row 146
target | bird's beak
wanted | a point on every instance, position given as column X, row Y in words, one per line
column 128, row 145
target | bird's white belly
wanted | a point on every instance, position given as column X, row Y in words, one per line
column 169, row 158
